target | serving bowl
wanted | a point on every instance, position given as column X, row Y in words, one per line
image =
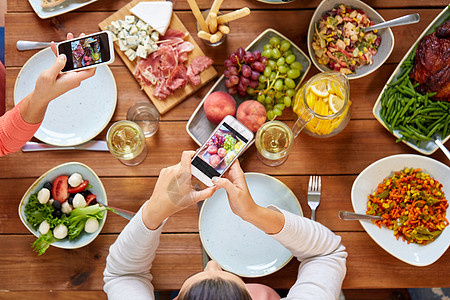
column 66, row 169
column 367, row 182
column 387, row 37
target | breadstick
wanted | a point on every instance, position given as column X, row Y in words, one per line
column 212, row 22
column 204, row 35
column 216, row 6
column 237, row 14
column 198, row 15
column 216, row 37
column 224, row 29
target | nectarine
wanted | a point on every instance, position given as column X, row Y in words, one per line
column 218, row 105
column 251, row 114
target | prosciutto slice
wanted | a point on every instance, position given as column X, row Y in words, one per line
column 165, row 68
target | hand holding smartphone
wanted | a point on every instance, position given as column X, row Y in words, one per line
column 88, row 51
column 228, row 140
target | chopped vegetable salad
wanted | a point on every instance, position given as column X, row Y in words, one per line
column 412, row 204
column 340, row 42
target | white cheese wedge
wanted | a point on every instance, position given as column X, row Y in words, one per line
column 155, row 13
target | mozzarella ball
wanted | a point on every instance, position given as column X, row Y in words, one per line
column 75, row 180
column 43, row 195
column 79, row 201
column 50, row 201
column 91, row 225
column 66, row 208
column 44, row 227
column 60, row 231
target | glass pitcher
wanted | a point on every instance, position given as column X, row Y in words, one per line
column 322, row 105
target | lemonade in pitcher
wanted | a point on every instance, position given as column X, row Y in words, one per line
column 323, row 104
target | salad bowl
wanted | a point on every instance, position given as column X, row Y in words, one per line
column 66, row 169
column 384, row 50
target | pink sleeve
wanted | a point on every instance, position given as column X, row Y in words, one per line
column 15, row 131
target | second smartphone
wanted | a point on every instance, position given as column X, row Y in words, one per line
column 229, row 140
column 88, row 51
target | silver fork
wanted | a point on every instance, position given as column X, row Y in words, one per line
column 314, row 187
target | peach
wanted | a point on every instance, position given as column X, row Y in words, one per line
column 214, row 160
column 218, row 105
column 222, row 152
column 251, row 114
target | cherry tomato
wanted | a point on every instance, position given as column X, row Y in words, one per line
column 91, row 198
column 81, row 187
column 60, row 188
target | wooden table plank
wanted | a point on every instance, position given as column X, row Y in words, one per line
column 53, row 295
column 361, row 143
column 131, row 193
column 368, row 266
column 107, row 5
column 243, row 31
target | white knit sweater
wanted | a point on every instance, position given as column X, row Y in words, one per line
column 320, row 274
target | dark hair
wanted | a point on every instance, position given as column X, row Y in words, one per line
column 216, row 289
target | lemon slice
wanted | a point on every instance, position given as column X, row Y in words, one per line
column 336, row 103
column 335, row 88
column 320, row 89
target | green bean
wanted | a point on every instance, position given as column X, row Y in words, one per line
column 418, row 135
column 423, row 128
column 444, row 131
column 436, row 122
column 435, row 128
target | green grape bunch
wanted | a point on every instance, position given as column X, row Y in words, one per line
column 277, row 82
column 229, row 143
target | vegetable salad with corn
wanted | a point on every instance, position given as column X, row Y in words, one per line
column 340, row 42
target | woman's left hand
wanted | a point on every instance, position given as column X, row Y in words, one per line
column 173, row 192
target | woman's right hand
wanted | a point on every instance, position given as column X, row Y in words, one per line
column 241, row 202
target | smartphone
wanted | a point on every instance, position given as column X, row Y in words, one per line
column 229, row 140
column 87, row 52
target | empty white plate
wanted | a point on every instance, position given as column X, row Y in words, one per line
column 238, row 246
column 76, row 116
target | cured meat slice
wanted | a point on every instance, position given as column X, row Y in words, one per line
column 183, row 50
column 198, row 65
column 178, row 78
column 173, row 33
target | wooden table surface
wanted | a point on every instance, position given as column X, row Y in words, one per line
column 70, row 273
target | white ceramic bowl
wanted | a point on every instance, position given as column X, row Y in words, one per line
column 67, row 169
column 387, row 37
column 367, row 182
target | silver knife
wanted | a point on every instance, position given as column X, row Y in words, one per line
column 30, row 45
column 93, row 145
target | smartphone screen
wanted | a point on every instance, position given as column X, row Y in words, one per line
column 219, row 151
column 85, row 51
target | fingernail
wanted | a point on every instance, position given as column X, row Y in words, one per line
column 62, row 56
column 215, row 179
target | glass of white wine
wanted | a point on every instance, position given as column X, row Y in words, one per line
column 274, row 142
column 126, row 142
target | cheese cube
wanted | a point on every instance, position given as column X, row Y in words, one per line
column 141, row 52
column 122, row 45
column 116, row 25
column 140, row 25
column 133, row 30
column 114, row 38
column 126, row 26
column 130, row 19
column 122, row 34
column 132, row 41
column 154, row 36
column 112, row 29
column 131, row 54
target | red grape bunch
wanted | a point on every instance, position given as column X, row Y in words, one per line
column 243, row 69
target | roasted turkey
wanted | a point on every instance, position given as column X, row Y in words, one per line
column 432, row 63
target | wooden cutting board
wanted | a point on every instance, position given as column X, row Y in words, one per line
column 162, row 105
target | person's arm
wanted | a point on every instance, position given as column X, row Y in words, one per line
column 14, row 131
column 127, row 273
column 320, row 251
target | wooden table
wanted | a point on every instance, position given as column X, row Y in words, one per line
column 68, row 273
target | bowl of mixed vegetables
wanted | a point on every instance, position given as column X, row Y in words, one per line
column 337, row 40
column 60, row 208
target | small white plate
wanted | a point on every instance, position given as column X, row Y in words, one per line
column 238, row 246
column 66, row 6
column 76, row 116
column 367, row 182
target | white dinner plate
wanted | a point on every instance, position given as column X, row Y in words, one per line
column 238, row 246
column 76, row 116
column 367, row 182
column 66, row 6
